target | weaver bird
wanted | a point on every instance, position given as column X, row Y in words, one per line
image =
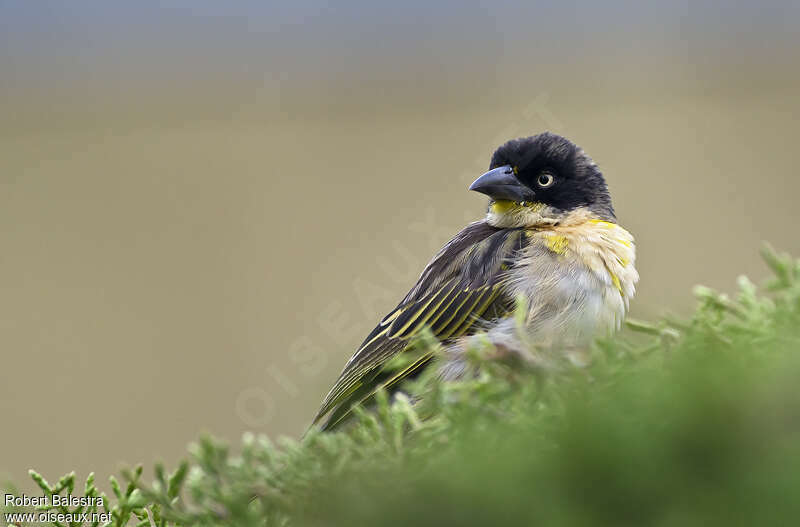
column 549, row 236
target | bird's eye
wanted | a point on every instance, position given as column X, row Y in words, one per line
column 545, row 179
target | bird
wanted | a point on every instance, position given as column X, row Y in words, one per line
column 549, row 237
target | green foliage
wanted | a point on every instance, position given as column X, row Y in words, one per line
column 693, row 422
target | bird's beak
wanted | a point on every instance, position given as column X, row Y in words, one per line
column 502, row 184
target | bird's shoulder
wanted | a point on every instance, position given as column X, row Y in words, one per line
column 478, row 254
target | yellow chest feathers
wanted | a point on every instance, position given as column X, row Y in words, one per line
column 605, row 248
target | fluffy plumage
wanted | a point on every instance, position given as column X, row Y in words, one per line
column 559, row 247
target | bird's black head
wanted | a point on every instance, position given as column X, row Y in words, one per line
column 546, row 170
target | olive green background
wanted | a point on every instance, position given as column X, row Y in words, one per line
column 204, row 209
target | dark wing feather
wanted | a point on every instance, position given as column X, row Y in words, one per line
column 462, row 284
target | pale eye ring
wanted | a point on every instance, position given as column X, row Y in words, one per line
column 545, row 179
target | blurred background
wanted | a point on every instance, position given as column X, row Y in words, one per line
column 204, row 207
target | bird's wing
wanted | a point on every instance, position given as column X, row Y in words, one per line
column 463, row 283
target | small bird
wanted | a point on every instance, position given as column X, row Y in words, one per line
column 550, row 236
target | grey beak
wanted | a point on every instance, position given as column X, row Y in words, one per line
column 502, row 184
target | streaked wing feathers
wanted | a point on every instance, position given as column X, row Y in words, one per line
column 464, row 281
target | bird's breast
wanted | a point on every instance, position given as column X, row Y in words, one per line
column 578, row 279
